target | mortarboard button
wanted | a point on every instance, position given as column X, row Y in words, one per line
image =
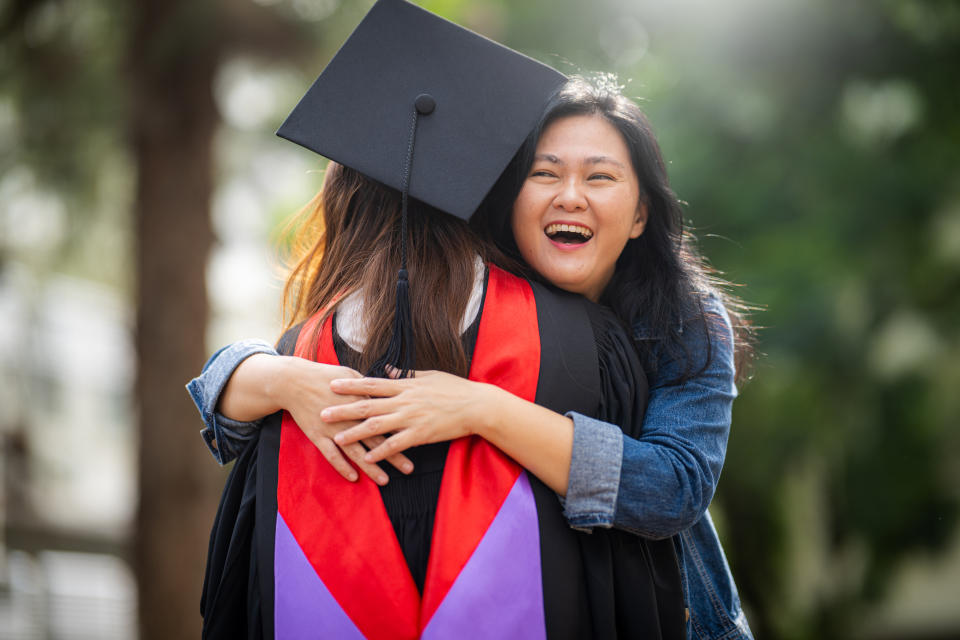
column 425, row 104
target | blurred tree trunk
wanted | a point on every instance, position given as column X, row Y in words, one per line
column 173, row 55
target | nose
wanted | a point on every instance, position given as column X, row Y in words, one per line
column 570, row 197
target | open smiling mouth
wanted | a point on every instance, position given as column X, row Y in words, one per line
column 568, row 233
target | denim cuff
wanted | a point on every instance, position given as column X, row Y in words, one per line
column 224, row 437
column 591, row 498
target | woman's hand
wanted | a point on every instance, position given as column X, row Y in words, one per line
column 263, row 384
column 434, row 407
column 306, row 393
column 430, row 407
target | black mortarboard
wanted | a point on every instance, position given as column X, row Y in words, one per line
column 487, row 100
column 424, row 106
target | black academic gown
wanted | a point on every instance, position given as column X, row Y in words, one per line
column 606, row 584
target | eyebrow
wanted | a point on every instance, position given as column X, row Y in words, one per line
column 548, row 157
column 552, row 159
column 603, row 160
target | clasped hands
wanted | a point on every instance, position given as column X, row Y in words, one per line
column 431, row 406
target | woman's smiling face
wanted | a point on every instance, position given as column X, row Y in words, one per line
column 579, row 205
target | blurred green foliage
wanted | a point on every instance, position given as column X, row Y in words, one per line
column 816, row 144
column 62, row 135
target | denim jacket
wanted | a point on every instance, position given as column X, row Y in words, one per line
column 661, row 483
column 658, row 485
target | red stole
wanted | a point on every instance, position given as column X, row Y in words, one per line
column 343, row 528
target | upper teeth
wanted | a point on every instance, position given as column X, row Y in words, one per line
column 573, row 228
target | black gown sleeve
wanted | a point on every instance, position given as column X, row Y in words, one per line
column 230, row 602
column 223, row 604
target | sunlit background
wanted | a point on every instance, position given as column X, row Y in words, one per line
column 816, row 144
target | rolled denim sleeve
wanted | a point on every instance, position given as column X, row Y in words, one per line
column 668, row 475
column 594, row 473
column 224, row 437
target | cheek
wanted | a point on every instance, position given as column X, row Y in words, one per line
column 626, row 218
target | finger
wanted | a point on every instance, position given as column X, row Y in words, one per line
column 376, row 426
column 360, row 410
column 357, row 453
column 389, row 447
column 379, row 387
column 338, row 399
column 331, row 452
column 401, row 462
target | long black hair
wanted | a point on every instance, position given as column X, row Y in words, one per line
column 661, row 281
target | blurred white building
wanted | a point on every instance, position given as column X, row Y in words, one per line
column 66, row 372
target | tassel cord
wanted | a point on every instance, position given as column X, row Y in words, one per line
column 400, row 351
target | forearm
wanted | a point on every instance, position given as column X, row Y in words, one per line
column 225, row 438
column 662, row 481
column 263, row 384
column 437, row 407
column 535, row 437
column 255, row 388
column 657, row 484
column 665, row 487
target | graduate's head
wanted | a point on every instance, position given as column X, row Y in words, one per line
column 413, row 105
column 349, row 239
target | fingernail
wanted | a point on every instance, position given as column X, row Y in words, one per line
column 325, row 414
column 352, row 477
column 381, row 480
column 407, row 467
column 368, row 457
column 339, row 438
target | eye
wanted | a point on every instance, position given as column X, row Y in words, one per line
column 542, row 173
column 601, row 176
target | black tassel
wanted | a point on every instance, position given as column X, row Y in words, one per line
column 400, row 352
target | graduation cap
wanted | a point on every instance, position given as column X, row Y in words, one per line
column 426, row 107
